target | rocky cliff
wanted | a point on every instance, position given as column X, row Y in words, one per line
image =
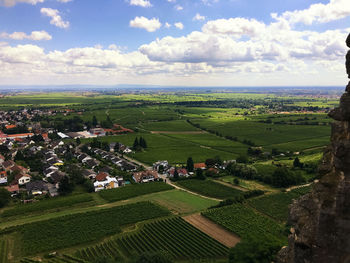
column 320, row 220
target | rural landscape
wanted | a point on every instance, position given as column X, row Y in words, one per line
column 174, row 131
column 109, row 176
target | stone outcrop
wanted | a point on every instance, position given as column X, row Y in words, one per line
column 320, row 220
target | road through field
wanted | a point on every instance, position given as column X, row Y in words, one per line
column 168, row 181
column 213, row 230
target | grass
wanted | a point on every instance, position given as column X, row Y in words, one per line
column 130, row 191
column 248, row 184
column 210, row 188
column 276, row 205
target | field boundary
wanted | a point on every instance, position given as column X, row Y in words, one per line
column 213, row 230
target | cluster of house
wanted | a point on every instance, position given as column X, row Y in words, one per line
column 17, row 177
column 96, row 132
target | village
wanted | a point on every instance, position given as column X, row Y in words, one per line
column 38, row 162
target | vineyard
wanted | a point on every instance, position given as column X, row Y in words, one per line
column 245, row 222
column 127, row 192
column 50, row 204
column 276, row 205
column 176, row 237
column 210, row 188
column 3, row 251
column 84, row 227
column 56, row 259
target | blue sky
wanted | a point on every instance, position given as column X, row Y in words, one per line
column 173, row 42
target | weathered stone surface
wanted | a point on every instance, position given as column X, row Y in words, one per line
column 321, row 219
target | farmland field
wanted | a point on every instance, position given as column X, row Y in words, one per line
column 131, row 191
column 3, row 251
column 245, row 222
column 174, row 236
column 79, row 228
column 210, row 188
column 44, row 205
column 276, row 205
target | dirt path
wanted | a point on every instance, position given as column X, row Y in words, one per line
column 178, row 132
column 211, row 229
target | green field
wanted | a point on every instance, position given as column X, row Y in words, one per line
column 75, row 229
column 131, row 191
column 276, row 205
column 174, row 236
column 210, row 188
column 245, row 222
column 56, row 204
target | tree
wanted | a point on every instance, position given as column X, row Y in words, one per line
column 210, row 162
column 65, row 186
column 94, row 121
column 136, row 144
column 5, row 197
column 116, row 147
column 190, row 164
column 242, row 159
column 297, row 163
column 253, row 250
column 19, row 156
column 199, row 174
column 78, row 141
column 176, row 174
column 143, row 143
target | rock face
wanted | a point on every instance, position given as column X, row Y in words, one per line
column 320, row 220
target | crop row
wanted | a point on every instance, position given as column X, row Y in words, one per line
column 49, row 204
column 276, row 205
column 56, row 259
column 173, row 236
column 245, row 222
column 210, row 188
column 127, row 192
column 3, row 251
column 75, row 229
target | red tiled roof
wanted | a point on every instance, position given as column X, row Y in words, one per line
column 101, row 176
column 12, row 188
column 199, row 165
column 20, row 135
column 10, row 126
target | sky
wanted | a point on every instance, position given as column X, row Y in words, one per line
column 174, row 42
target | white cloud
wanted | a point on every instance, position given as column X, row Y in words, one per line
column 179, row 25
column 178, row 8
column 35, row 35
column 317, row 13
column 209, row 2
column 221, row 42
column 142, row 3
column 56, row 19
column 167, row 25
column 150, row 25
column 9, row 3
column 171, row 1
column 234, row 26
column 198, row 17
